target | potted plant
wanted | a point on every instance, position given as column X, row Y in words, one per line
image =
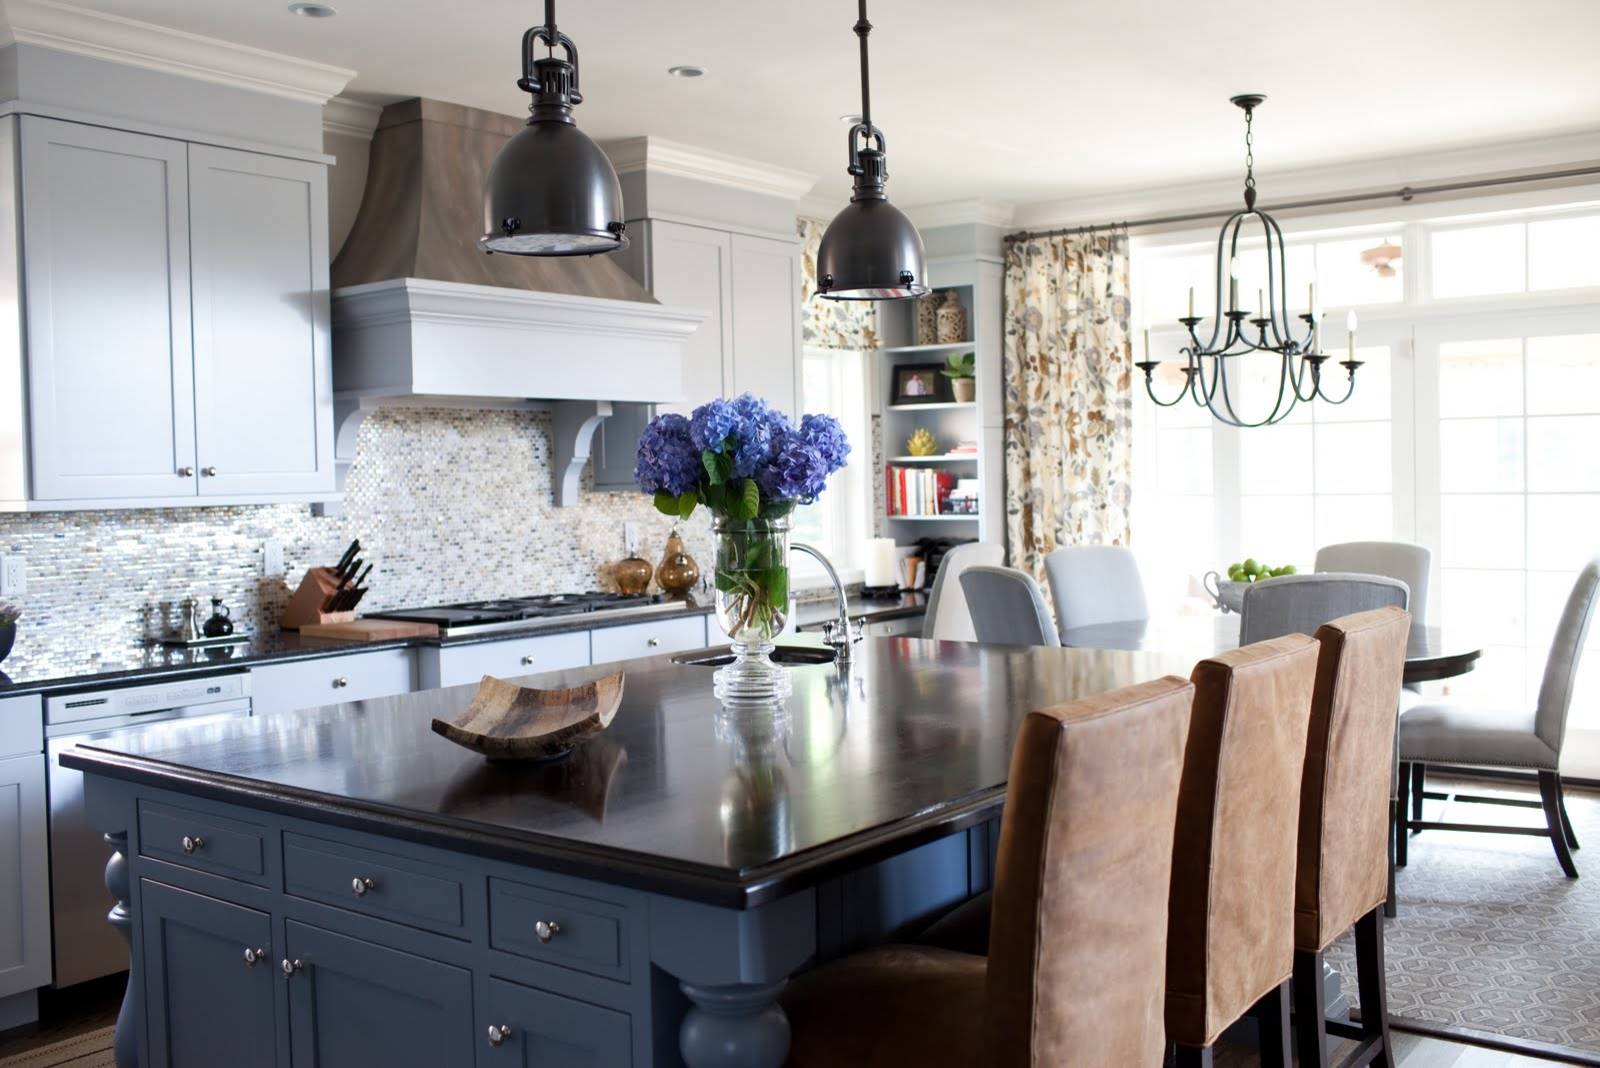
column 9, row 614
column 958, row 369
column 749, row 465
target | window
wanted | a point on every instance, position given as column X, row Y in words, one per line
column 1488, row 258
column 834, row 381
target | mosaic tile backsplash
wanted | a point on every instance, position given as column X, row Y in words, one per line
column 449, row 505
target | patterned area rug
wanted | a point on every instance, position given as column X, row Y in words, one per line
column 1490, row 935
column 89, row 1050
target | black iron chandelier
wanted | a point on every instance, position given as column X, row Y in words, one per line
column 870, row 251
column 550, row 190
column 1236, row 333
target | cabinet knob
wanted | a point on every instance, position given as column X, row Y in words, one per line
column 251, row 956
column 498, row 1033
column 209, row 472
column 527, row 661
column 193, row 844
column 290, row 967
column 340, row 683
column 545, row 930
column 652, row 642
column 185, row 472
column 359, row 886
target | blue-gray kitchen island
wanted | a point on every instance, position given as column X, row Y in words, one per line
column 346, row 887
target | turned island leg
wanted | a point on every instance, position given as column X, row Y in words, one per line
column 740, row 1026
column 125, row 1048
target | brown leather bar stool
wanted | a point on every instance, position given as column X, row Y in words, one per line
column 1075, row 972
column 1230, row 935
column 1343, row 879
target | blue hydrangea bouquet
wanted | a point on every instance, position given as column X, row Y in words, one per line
column 750, row 466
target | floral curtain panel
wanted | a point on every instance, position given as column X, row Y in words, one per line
column 830, row 324
column 1068, row 394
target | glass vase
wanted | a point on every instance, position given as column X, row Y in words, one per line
column 752, row 604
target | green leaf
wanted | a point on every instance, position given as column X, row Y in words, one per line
column 748, row 504
column 776, row 509
column 726, row 582
column 709, row 459
column 666, row 503
column 776, row 581
column 686, row 503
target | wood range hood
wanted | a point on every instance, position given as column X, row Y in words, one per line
column 423, row 317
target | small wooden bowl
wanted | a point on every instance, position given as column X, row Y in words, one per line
column 510, row 722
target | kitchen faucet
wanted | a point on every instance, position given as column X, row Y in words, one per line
column 838, row 633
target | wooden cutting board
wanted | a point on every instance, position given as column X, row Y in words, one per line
column 369, row 630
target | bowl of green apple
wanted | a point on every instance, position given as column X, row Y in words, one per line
column 1228, row 592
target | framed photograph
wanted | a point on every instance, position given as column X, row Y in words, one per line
column 919, row 383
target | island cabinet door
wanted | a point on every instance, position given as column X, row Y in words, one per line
column 353, row 1002
column 209, row 985
column 526, row 1028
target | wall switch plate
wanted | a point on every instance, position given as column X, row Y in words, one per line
column 272, row 559
column 13, row 576
column 630, row 536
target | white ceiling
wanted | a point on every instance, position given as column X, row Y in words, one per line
column 1018, row 100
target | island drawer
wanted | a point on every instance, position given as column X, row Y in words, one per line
column 202, row 841
column 377, row 884
column 546, row 1028
column 561, row 929
column 648, row 639
column 456, row 665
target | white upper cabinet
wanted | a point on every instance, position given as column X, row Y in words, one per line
column 691, row 266
column 175, row 320
column 766, row 320
column 262, row 377
column 106, row 263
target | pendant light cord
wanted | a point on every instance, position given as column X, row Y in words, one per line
column 550, row 24
column 863, row 27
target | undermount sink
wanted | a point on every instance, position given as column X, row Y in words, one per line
column 782, row 654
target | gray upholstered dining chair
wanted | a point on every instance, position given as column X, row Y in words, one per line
column 1401, row 560
column 1299, row 604
column 1093, row 584
column 1007, row 607
column 1446, row 733
column 948, row 618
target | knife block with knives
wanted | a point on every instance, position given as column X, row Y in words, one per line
column 328, row 594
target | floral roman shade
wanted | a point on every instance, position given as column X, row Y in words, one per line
column 1068, row 394
column 830, row 324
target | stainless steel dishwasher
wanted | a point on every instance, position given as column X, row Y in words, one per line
column 87, row 947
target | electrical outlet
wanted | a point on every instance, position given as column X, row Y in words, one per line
column 13, row 576
column 630, row 536
column 272, row 559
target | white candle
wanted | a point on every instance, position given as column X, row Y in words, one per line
column 1233, row 284
column 1350, row 325
column 1147, row 343
column 879, row 562
column 1261, row 304
column 1191, row 302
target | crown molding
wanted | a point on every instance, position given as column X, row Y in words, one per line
column 657, row 155
column 350, row 118
column 974, row 211
column 67, row 28
column 821, row 207
column 1488, row 160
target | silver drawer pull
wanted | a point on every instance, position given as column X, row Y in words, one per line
column 545, row 930
column 340, row 683
column 652, row 642
column 185, row 472
column 359, row 886
column 290, row 967
column 498, row 1033
column 192, row 844
column 209, row 472
column 251, row 956
column 527, row 661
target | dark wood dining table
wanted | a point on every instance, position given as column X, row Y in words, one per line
column 1432, row 653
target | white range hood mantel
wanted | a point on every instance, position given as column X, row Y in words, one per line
column 418, row 341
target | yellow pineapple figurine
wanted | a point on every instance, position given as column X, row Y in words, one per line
column 922, row 443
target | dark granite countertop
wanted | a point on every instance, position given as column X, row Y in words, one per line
column 21, row 674
column 732, row 806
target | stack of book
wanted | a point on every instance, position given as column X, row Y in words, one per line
column 965, row 448
column 917, row 491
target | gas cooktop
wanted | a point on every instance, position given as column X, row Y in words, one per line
column 472, row 617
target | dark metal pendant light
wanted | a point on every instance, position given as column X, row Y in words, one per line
column 870, row 251
column 551, row 191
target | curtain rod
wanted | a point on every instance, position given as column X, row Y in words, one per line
column 1405, row 193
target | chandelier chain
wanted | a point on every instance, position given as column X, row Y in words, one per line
column 1249, row 149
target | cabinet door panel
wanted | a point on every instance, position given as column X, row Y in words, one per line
column 24, row 876
column 263, row 381
column 356, row 1002
column 205, row 1004
column 106, row 258
column 547, row 1029
column 691, row 267
column 766, row 319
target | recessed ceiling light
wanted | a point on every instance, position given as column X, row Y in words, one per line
column 312, row 11
column 686, row 70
